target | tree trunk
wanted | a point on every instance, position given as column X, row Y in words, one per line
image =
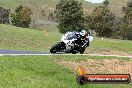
column 123, row 37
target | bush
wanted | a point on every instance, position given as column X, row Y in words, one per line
column 22, row 17
column 129, row 34
column 4, row 15
column 102, row 21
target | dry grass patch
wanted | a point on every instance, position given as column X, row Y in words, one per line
column 108, row 52
column 101, row 66
column 113, row 53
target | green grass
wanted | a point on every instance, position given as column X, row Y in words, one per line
column 47, row 27
column 111, row 45
column 15, row 38
column 9, row 4
column 33, row 72
column 26, row 39
column 79, row 58
column 42, row 72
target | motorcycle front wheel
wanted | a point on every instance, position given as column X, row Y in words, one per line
column 56, row 48
column 82, row 50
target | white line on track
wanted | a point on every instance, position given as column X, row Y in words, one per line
column 63, row 55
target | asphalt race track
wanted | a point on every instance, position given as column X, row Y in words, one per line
column 24, row 52
column 21, row 52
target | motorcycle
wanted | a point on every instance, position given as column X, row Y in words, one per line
column 71, row 42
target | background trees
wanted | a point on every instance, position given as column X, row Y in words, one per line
column 22, row 17
column 125, row 28
column 4, row 15
column 101, row 20
column 69, row 14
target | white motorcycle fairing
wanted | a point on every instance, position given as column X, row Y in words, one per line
column 68, row 39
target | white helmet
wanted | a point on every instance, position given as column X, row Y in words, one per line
column 83, row 33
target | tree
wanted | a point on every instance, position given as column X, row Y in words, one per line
column 87, row 21
column 22, row 17
column 4, row 15
column 129, row 4
column 106, row 3
column 102, row 21
column 129, row 34
column 127, row 21
column 69, row 14
column 128, row 15
column 123, row 30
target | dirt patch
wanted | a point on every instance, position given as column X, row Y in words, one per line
column 108, row 52
column 113, row 53
column 112, row 66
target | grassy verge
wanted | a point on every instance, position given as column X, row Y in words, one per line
column 110, row 45
column 15, row 38
column 42, row 72
column 79, row 58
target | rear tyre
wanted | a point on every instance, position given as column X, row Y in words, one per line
column 55, row 48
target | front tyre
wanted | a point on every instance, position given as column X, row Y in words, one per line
column 73, row 52
column 82, row 50
column 54, row 48
column 57, row 47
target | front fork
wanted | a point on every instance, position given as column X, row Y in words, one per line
column 83, row 46
column 86, row 44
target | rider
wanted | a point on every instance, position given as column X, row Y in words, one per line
column 82, row 39
column 84, row 34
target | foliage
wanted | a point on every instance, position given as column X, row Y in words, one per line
column 123, row 30
column 22, row 17
column 51, row 16
column 129, row 4
column 128, row 15
column 102, row 21
column 4, row 15
column 129, row 34
column 106, row 2
column 126, row 27
column 87, row 20
column 69, row 14
column 43, row 12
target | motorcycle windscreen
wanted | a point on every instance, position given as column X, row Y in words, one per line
column 71, row 36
